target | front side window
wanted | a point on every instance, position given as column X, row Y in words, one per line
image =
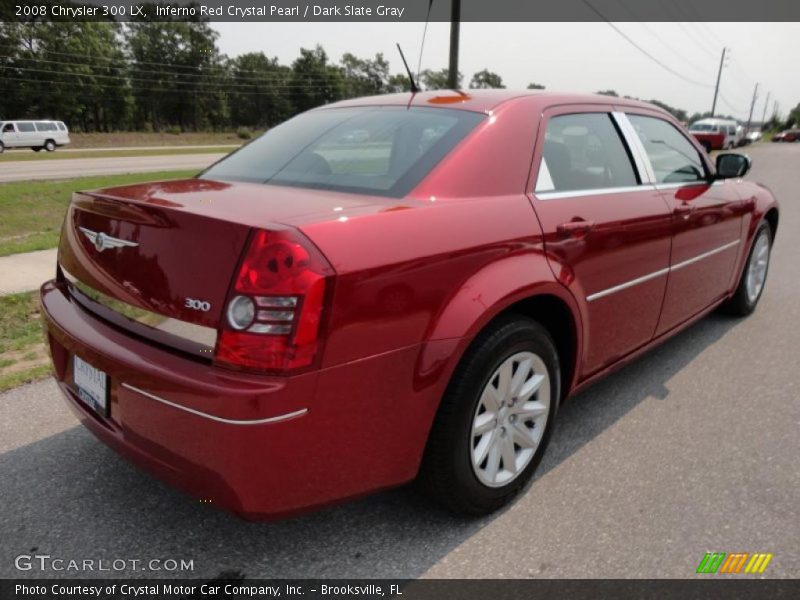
column 374, row 150
column 25, row 127
column 673, row 157
column 584, row 152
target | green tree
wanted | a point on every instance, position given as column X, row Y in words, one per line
column 365, row 77
column 793, row 120
column 535, row 86
column 177, row 75
column 608, row 93
column 398, row 83
column 437, row 80
column 486, row 80
column 258, row 94
column 71, row 71
column 315, row 82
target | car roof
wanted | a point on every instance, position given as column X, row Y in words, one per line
column 486, row 100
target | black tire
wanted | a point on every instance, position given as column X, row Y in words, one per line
column 707, row 146
column 50, row 145
column 2, row 147
column 740, row 304
column 447, row 473
column 37, row 149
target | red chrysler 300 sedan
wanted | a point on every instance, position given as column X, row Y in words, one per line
column 393, row 288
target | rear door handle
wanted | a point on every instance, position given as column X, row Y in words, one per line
column 574, row 228
column 684, row 210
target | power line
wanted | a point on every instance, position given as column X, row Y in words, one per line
column 642, row 50
column 234, row 75
column 196, row 85
column 137, row 92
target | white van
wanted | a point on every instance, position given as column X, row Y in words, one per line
column 33, row 134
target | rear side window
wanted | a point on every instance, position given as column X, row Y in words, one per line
column 673, row 157
column 374, row 150
column 41, row 126
column 62, row 127
column 25, row 127
column 582, row 152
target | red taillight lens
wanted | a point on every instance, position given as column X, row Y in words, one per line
column 274, row 312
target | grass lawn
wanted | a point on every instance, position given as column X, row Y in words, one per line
column 27, row 154
column 32, row 211
column 23, row 357
column 133, row 138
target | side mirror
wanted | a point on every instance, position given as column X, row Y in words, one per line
column 731, row 166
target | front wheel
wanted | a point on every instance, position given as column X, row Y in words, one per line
column 754, row 275
column 495, row 419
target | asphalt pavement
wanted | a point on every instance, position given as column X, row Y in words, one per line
column 693, row 448
column 25, row 170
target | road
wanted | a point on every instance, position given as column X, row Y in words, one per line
column 81, row 167
column 690, row 449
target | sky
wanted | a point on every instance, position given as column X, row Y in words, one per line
column 571, row 57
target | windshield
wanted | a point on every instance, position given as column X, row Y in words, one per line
column 374, row 150
column 702, row 127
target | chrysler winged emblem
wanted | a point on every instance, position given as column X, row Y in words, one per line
column 101, row 241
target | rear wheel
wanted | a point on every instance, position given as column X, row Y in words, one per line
column 495, row 419
column 2, row 147
column 754, row 275
column 707, row 146
column 49, row 145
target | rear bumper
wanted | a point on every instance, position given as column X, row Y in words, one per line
column 262, row 447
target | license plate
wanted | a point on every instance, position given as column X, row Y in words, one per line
column 91, row 385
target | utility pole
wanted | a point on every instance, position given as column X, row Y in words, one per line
column 764, row 116
column 719, row 76
column 455, row 23
column 752, row 106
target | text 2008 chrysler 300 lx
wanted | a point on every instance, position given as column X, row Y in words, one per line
column 393, row 287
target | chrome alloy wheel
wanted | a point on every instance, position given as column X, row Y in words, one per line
column 510, row 419
column 757, row 268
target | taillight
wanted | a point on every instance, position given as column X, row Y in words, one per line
column 274, row 312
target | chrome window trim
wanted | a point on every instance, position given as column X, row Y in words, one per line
column 660, row 272
column 278, row 419
column 591, row 192
column 640, row 158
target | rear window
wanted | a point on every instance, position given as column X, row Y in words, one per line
column 372, row 150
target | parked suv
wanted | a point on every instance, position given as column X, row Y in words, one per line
column 390, row 288
column 33, row 134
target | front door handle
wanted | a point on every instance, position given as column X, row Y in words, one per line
column 575, row 228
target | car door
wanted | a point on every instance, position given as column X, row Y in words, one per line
column 706, row 219
column 10, row 135
column 606, row 229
